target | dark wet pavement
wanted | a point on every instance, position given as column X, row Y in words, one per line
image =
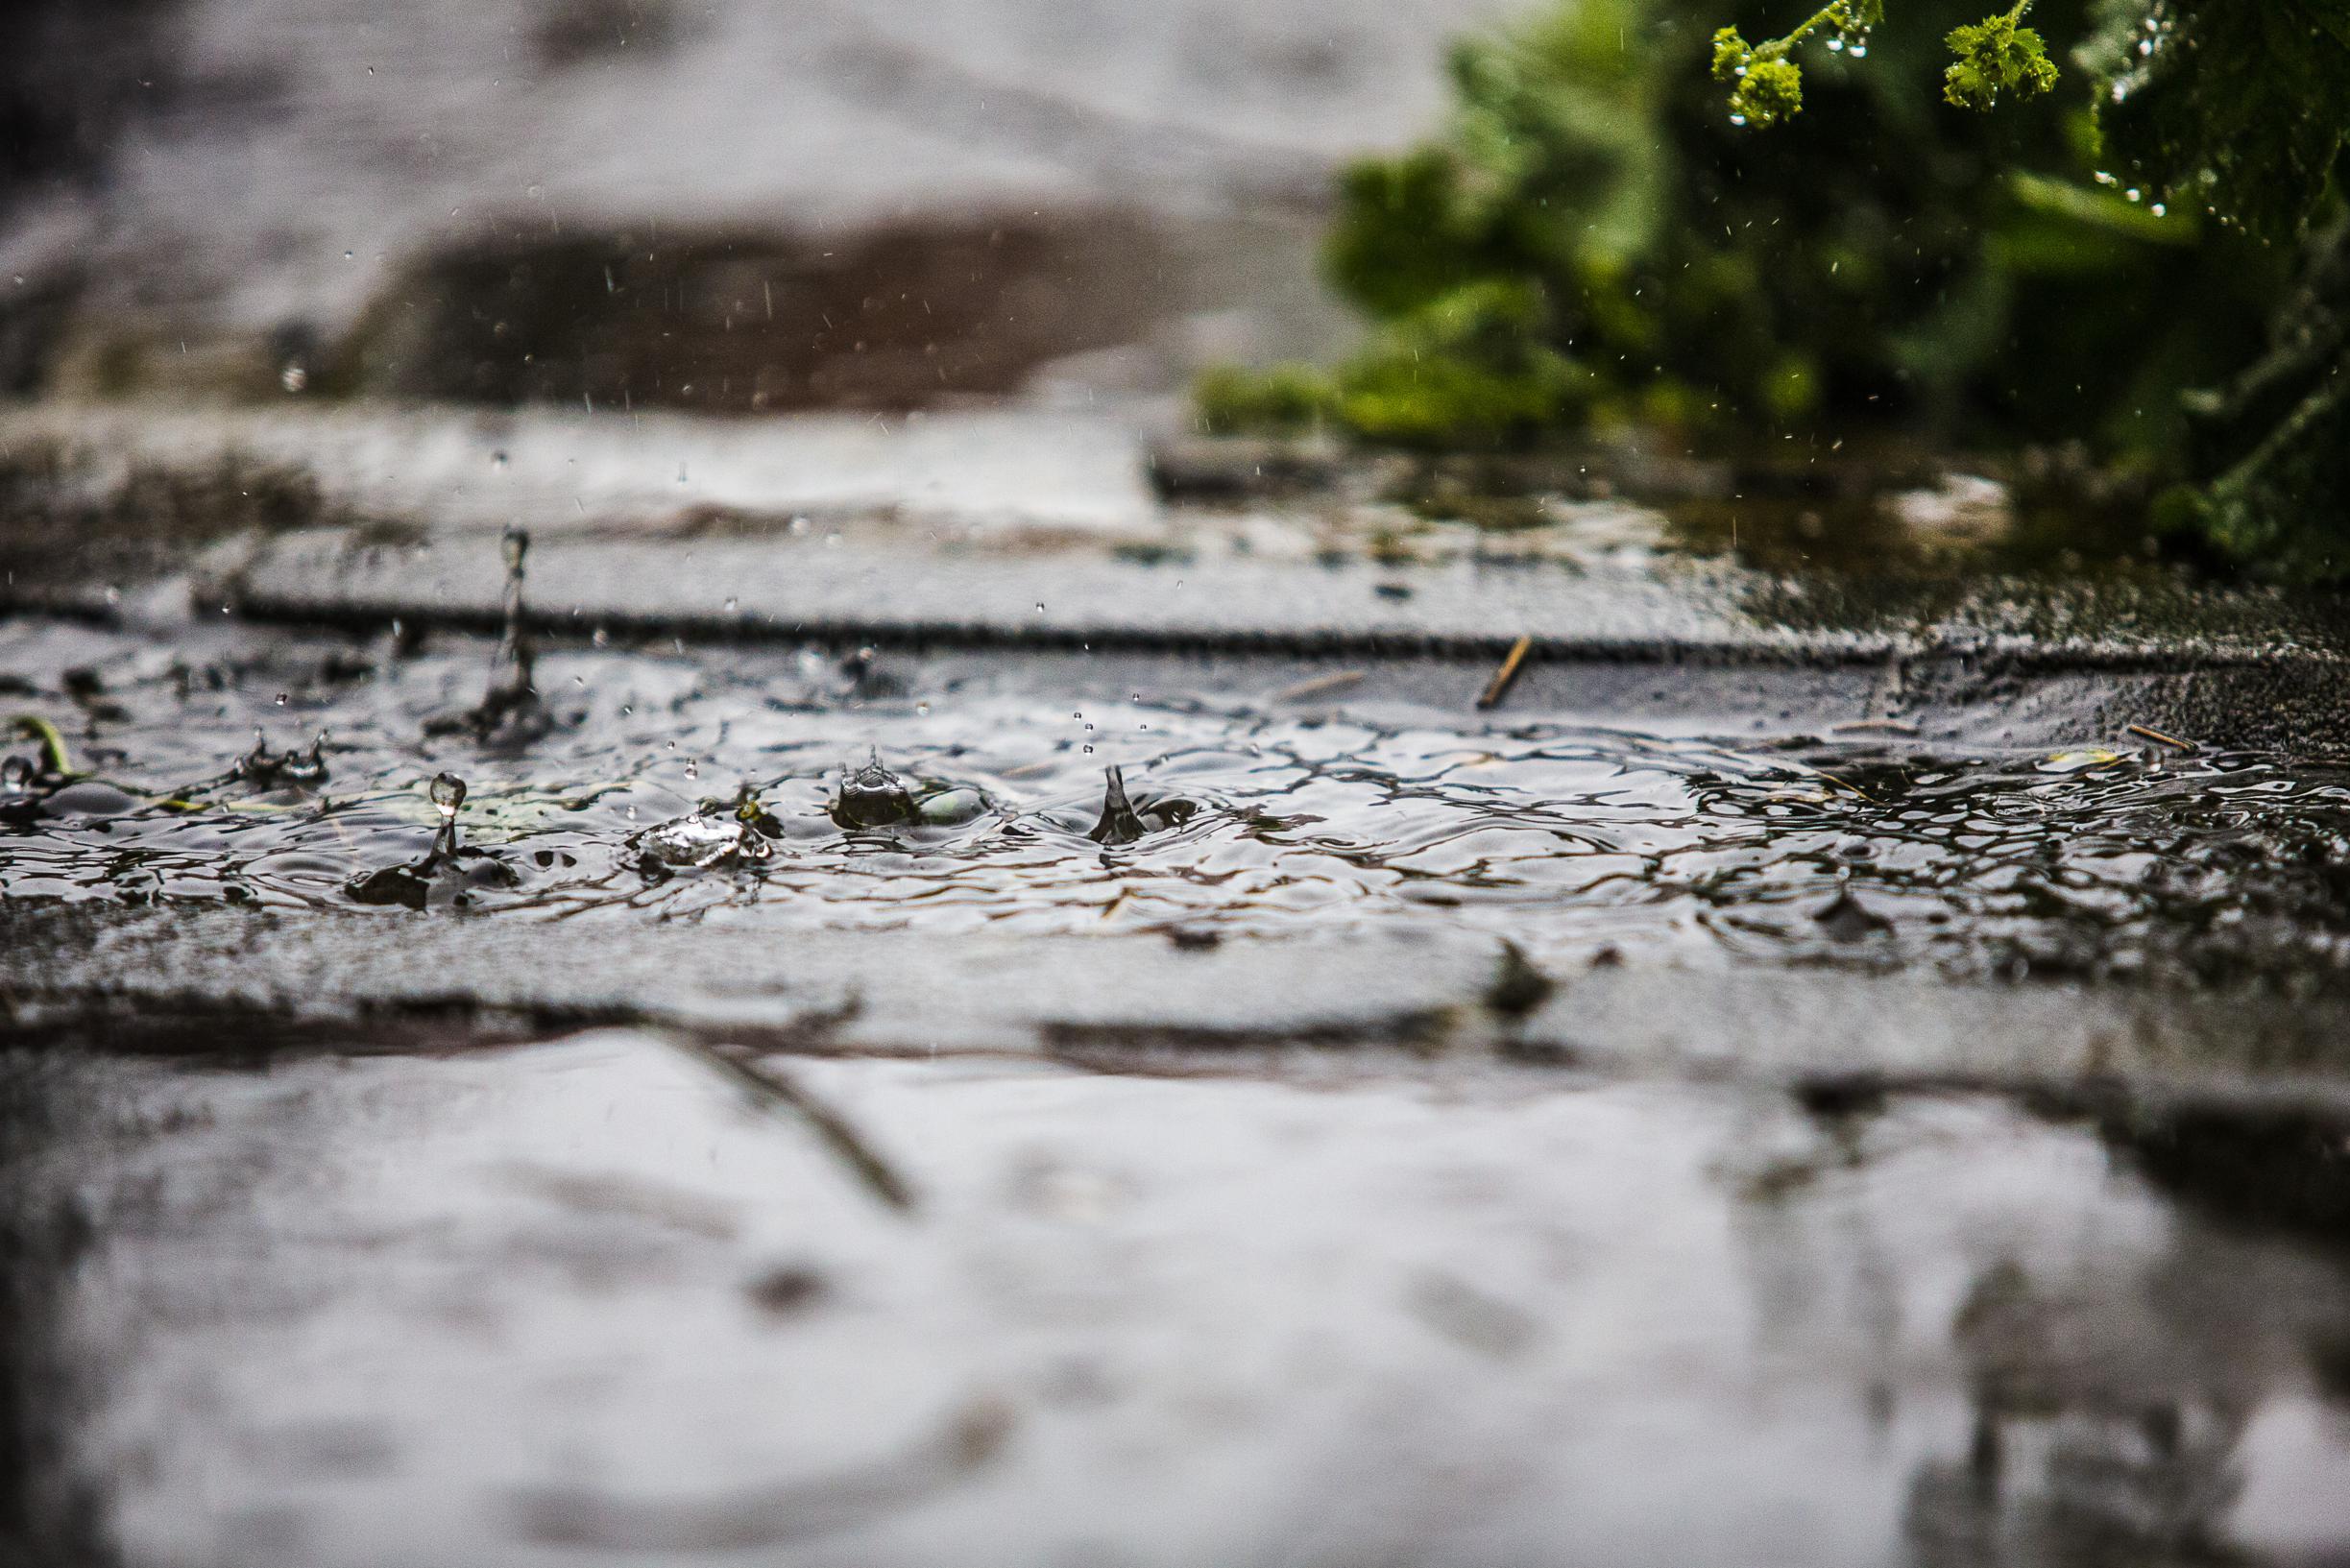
column 583, row 1301
column 2113, row 855
column 1785, row 1085
column 936, row 1209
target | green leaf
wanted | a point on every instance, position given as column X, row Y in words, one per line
column 2234, row 105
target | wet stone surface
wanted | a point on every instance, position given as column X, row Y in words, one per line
column 741, row 786
column 1095, row 1120
column 585, row 1301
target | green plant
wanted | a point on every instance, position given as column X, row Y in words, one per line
column 1594, row 241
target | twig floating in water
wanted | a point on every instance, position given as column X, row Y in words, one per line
column 1318, row 685
column 772, row 1087
column 1499, row 687
column 2143, row 733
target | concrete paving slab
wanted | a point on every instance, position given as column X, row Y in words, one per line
column 258, row 981
column 581, row 1300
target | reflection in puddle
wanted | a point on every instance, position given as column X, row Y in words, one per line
column 480, row 1304
column 1870, row 850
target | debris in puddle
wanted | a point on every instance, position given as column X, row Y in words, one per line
column 56, row 759
column 1518, row 987
column 2080, row 761
column 1316, row 686
column 2144, row 733
column 787, row 1289
column 772, row 1087
column 1506, row 676
column 1875, row 726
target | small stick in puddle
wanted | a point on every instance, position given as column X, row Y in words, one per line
column 1877, row 725
column 772, row 1087
column 2145, row 733
column 1499, row 686
column 1318, row 686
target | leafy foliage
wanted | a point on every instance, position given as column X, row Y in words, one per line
column 1995, row 56
column 1593, row 241
column 2238, row 107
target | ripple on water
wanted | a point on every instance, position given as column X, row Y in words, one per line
column 1566, row 838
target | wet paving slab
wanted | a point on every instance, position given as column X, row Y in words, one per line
column 1127, row 1077
column 650, row 783
column 586, row 1300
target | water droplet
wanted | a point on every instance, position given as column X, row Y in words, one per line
column 1040, row 609
column 693, row 770
column 283, row 698
column 447, row 794
column 294, row 377
column 731, row 605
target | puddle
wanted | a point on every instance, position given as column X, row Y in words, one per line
column 579, row 1295
column 1242, row 819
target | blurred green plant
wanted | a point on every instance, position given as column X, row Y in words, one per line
column 1597, row 241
